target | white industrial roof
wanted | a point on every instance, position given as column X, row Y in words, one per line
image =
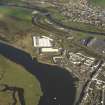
column 49, row 50
column 42, row 42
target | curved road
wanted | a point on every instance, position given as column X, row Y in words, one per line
column 49, row 16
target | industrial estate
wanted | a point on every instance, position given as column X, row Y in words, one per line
column 52, row 52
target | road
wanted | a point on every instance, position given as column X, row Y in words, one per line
column 87, row 84
column 49, row 16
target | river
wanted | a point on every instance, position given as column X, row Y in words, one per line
column 57, row 84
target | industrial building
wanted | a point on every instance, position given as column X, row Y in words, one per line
column 42, row 41
column 44, row 44
column 49, row 50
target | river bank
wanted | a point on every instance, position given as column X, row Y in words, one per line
column 54, row 81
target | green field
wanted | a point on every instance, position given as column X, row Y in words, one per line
column 98, row 3
column 15, row 75
column 15, row 19
column 14, row 22
column 19, row 13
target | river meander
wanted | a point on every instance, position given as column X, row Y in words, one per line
column 56, row 83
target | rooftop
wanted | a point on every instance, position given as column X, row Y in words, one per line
column 49, row 50
column 42, row 41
